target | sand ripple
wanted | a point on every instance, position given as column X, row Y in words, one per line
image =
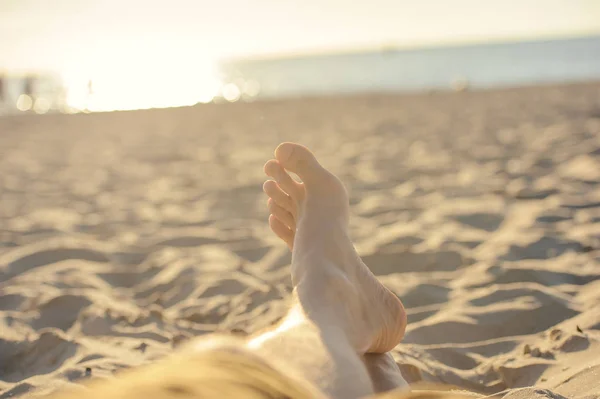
column 124, row 234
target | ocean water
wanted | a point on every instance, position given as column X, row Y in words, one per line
column 389, row 70
column 478, row 66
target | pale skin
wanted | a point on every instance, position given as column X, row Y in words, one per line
column 344, row 322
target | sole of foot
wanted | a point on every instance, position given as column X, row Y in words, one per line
column 311, row 217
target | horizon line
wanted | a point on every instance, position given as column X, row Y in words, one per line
column 384, row 47
column 425, row 45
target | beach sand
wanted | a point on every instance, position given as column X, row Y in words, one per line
column 124, row 234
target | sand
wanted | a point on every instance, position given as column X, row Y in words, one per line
column 123, row 235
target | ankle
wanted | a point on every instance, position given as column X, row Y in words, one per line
column 326, row 296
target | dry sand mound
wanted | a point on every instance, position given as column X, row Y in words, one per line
column 124, row 234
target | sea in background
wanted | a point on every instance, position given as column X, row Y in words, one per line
column 386, row 70
column 478, row 66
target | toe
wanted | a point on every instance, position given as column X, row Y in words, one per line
column 274, row 169
column 298, row 159
column 282, row 231
column 281, row 214
column 273, row 190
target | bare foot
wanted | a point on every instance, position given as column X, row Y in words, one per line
column 329, row 278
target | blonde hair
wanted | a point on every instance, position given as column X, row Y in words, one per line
column 216, row 368
column 213, row 369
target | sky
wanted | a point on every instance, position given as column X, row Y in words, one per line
column 62, row 34
column 124, row 44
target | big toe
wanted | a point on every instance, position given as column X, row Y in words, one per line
column 300, row 160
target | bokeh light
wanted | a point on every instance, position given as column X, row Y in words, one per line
column 24, row 102
column 231, row 92
column 251, row 88
column 41, row 105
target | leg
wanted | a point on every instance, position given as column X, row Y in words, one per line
column 342, row 311
column 384, row 372
column 319, row 354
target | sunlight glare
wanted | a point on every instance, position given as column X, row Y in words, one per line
column 141, row 85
